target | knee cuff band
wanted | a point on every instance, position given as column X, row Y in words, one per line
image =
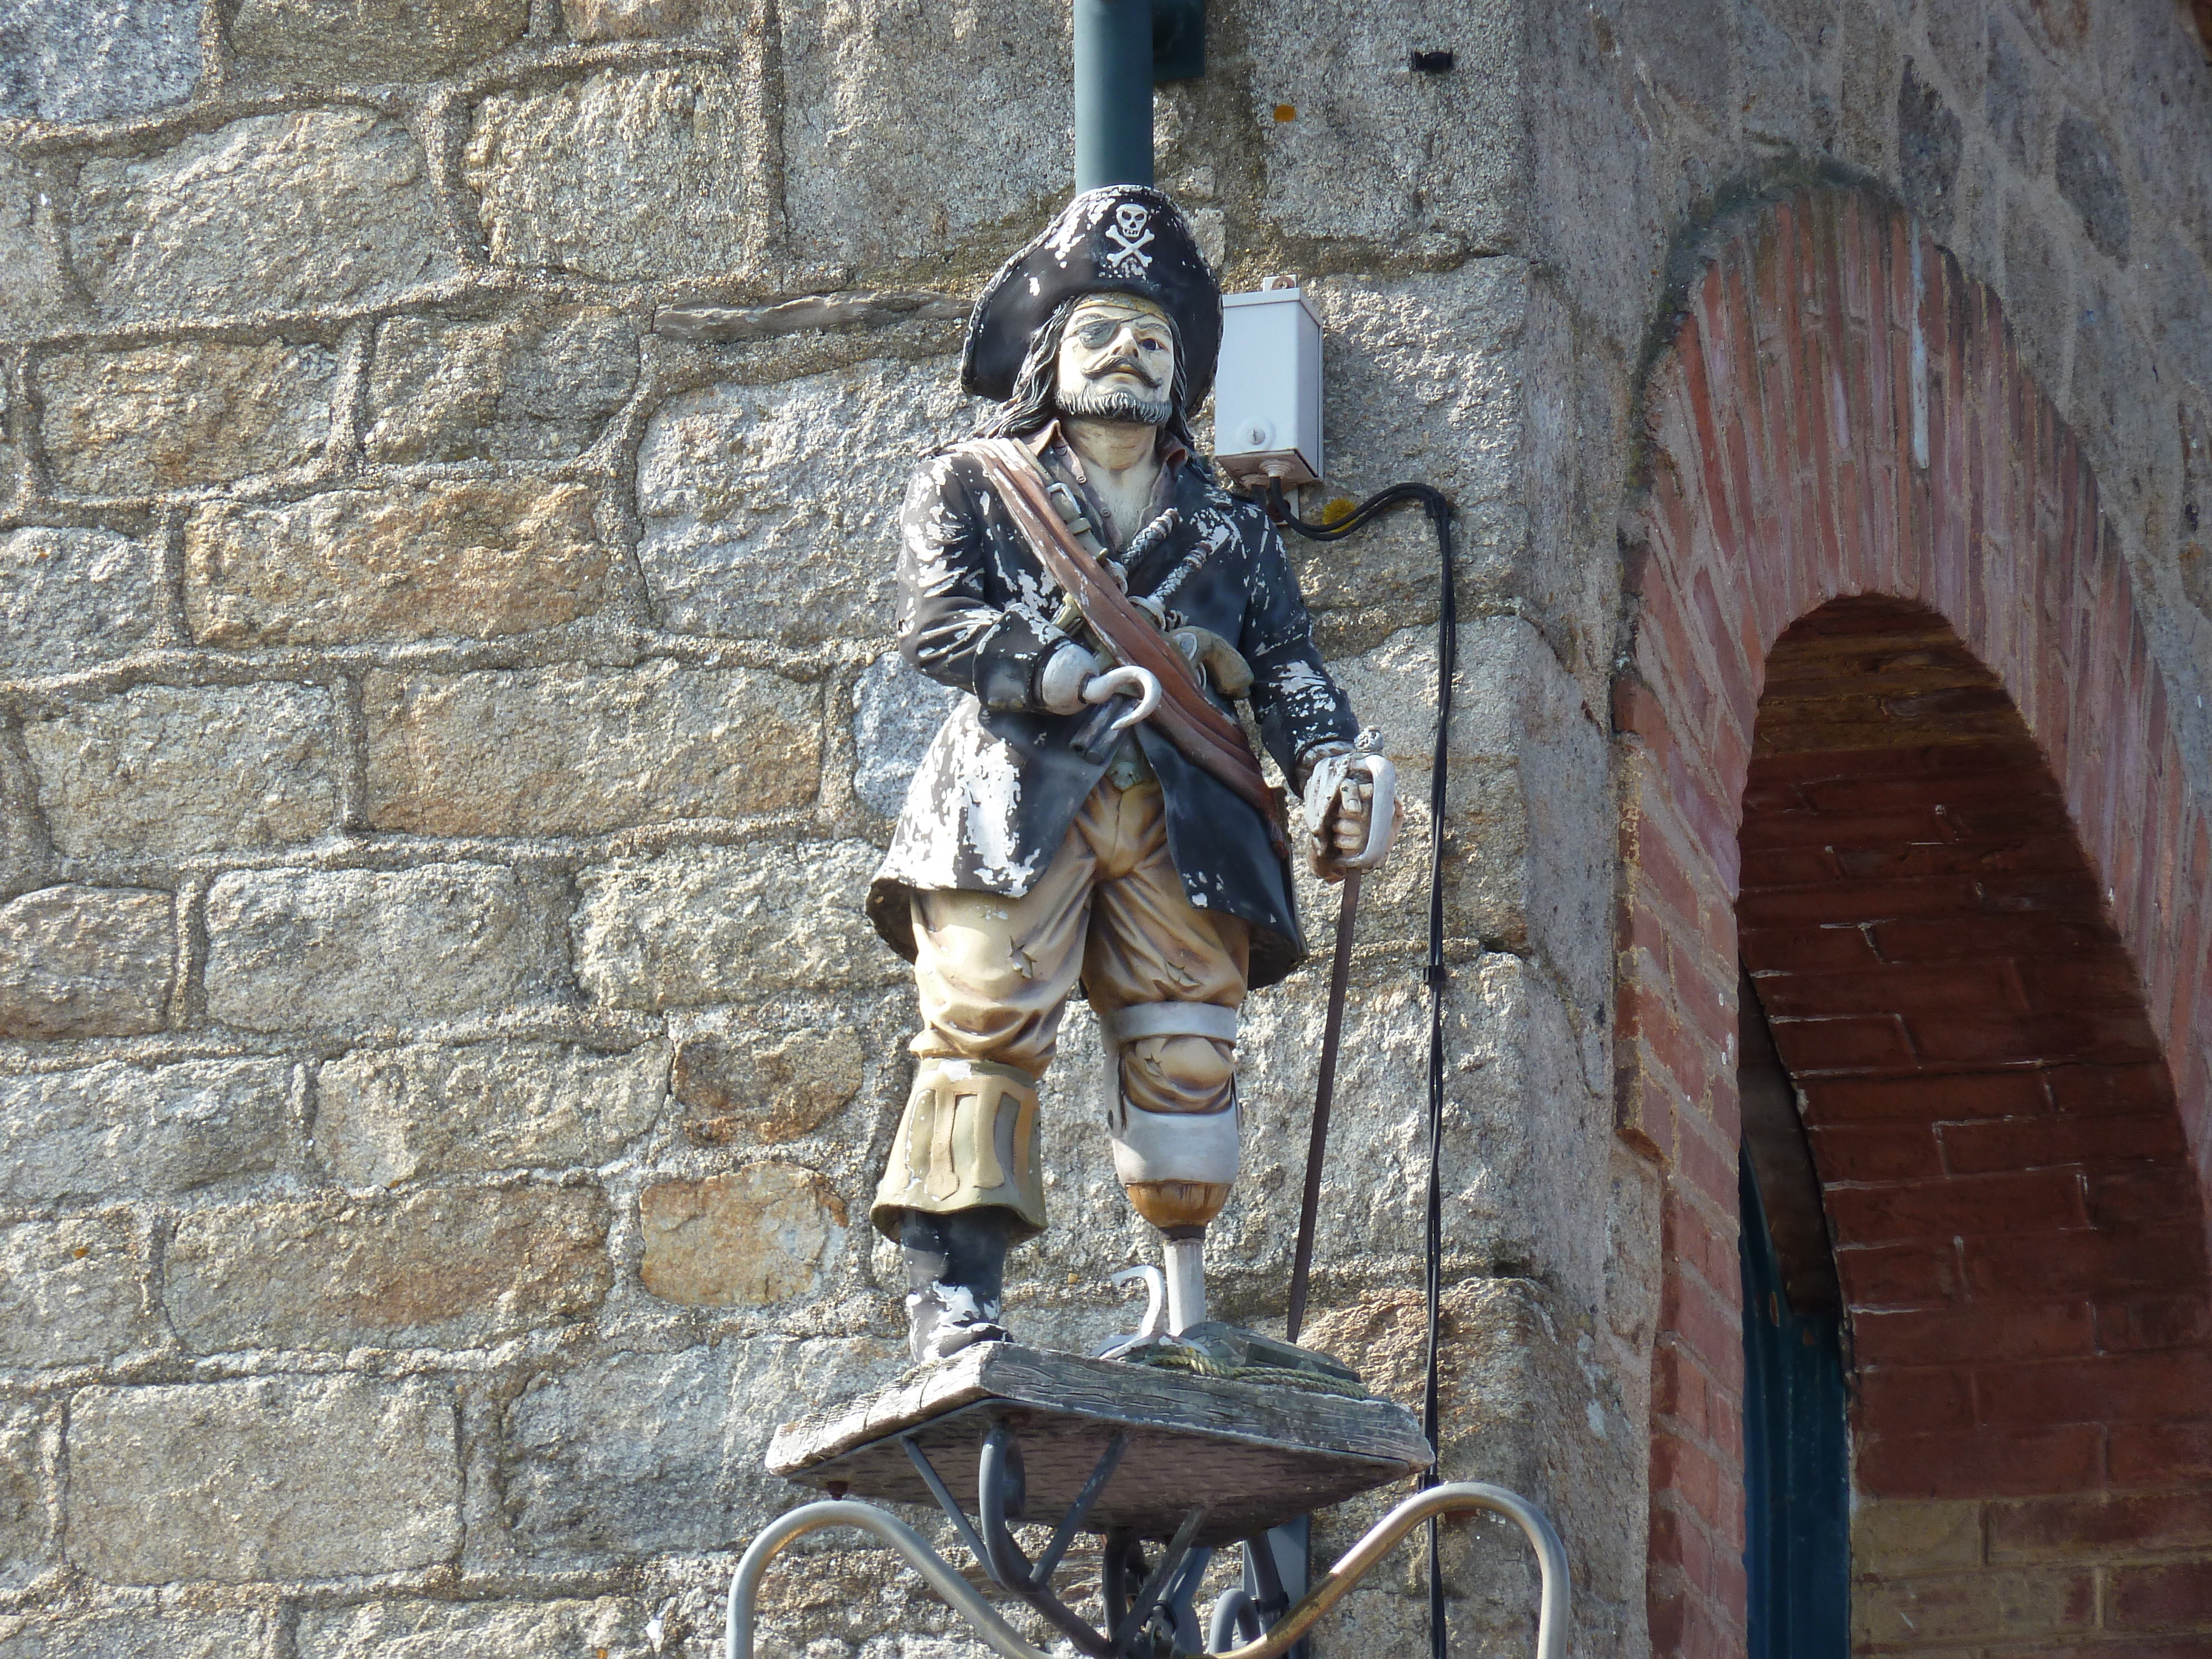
column 1149, row 1020
column 967, row 1139
column 1198, row 1146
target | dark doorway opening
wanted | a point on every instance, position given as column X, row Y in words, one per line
column 1796, row 1455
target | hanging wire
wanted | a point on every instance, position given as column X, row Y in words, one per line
column 1439, row 509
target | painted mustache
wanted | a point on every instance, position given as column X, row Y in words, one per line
column 1126, row 363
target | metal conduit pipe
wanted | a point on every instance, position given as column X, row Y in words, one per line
column 1454, row 1497
column 1113, row 93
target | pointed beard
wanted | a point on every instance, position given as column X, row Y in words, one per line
column 1131, row 408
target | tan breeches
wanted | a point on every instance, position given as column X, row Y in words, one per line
column 994, row 974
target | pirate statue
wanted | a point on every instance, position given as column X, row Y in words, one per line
column 1090, row 814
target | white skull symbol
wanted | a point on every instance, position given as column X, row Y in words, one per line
column 1128, row 235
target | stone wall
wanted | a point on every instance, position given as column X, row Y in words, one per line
column 2053, row 146
column 448, row 722
column 447, row 726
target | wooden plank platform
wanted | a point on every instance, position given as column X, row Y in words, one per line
column 1256, row 1454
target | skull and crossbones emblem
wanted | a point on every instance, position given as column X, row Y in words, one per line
column 1129, row 234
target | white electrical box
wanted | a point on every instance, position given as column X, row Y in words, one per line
column 1266, row 392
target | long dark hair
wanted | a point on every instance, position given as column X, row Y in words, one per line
column 1032, row 404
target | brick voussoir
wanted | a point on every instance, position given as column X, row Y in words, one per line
column 2027, row 1329
column 1971, row 1206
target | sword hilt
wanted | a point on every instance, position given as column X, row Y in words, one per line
column 1094, row 739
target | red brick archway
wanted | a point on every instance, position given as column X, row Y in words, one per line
column 1974, row 897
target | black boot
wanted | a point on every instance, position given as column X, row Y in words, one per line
column 955, row 1271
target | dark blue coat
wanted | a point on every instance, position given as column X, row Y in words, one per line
column 993, row 797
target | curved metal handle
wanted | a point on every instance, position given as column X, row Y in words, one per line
column 1001, row 1637
column 1452, row 1498
column 1127, row 681
column 1232, row 1616
column 1381, row 811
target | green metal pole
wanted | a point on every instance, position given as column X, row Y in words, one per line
column 1113, row 93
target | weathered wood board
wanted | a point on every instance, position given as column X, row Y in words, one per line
column 1256, row 1454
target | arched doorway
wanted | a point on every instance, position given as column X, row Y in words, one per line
column 2017, row 1228
column 1881, row 632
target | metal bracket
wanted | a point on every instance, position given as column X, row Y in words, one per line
column 998, row 1500
column 1132, row 1614
column 1178, row 39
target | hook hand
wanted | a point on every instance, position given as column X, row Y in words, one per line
column 1125, row 682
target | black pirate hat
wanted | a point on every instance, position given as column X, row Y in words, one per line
column 1118, row 238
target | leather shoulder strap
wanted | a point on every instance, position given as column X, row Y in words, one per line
column 1125, row 630
column 1205, row 735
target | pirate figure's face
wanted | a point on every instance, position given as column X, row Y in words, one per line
column 1117, row 361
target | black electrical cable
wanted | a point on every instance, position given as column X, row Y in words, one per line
column 1439, row 509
